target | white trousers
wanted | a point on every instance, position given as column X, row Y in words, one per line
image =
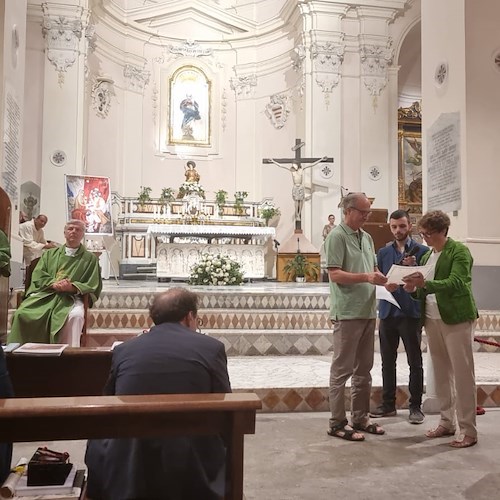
column 71, row 331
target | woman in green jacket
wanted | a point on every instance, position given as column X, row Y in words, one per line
column 449, row 314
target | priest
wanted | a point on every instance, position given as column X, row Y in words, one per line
column 53, row 311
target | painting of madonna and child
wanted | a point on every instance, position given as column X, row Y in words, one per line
column 88, row 199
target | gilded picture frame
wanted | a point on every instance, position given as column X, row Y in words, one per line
column 190, row 101
column 410, row 160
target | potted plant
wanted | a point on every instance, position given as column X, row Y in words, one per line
column 144, row 196
column 166, row 196
column 239, row 198
column 220, row 200
column 268, row 212
column 300, row 267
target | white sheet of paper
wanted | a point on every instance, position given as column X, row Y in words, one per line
column 383, row 294
column 397, row 273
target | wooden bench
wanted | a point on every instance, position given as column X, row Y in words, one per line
column 82, row 417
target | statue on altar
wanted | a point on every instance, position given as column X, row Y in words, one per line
column 190, row 172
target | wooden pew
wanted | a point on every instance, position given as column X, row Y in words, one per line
column 77, row 371
column 67, row 418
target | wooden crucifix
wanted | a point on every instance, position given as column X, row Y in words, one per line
column 297, row 171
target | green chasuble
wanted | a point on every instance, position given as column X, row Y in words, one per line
column 43, row 312
column 4, row 255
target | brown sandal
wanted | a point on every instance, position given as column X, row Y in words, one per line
column 466, row 442
column 439, row 431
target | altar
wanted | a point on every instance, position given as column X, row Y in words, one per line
column 181, row 245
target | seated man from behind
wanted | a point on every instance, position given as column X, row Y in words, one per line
column 53, row 311
column 172, row 358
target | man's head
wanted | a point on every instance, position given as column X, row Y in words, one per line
column 400, row 225
column 74, row 231
column 40, row 221
column 176, row 305
column 433, row 227
column 357, row 209
column 331, row 219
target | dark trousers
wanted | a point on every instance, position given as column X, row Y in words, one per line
column 390, row 331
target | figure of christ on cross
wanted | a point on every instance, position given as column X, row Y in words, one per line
column 297, row 171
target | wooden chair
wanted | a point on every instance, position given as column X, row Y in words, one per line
column 85, row 299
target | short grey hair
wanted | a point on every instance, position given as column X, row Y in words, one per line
column 350, row 199
column 75, row 222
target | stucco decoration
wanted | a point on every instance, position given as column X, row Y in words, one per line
column 62, row 37
column 327, row 62
column 102, row 92
column 189, row 48
column 223, row 105
column 243, row 86
column 375, row 60
column 278, row 109
column 298, row 56
column 136, row 78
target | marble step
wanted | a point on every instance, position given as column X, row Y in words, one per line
column 262, row 342
column 218, row 319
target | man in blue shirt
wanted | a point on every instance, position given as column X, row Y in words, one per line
column 401, row 323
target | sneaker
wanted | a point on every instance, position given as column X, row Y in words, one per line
column 416, row 416
column 383, row 411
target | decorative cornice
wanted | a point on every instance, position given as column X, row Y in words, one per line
column 136, row 77
column 375, row 60
column 243, row 86
column 62, row 35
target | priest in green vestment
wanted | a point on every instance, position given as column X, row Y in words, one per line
column 53, row 300
column 4, row 255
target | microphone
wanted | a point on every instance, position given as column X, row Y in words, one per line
column 413, row 251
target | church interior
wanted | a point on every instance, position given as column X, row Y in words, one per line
column 174, row 128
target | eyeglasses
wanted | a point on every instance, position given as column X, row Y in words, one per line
column 427, row 234
column 364, row 213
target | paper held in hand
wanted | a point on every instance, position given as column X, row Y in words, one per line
column 397, row 273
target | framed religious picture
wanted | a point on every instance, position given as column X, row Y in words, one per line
column 410, row 160
column 88, row 198
column 189, row 107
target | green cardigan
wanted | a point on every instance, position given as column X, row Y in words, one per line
column 451, row 284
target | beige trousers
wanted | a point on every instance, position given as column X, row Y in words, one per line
column 453, row 361
column 353, row 346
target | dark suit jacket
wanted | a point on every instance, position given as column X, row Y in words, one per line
column 169, row 359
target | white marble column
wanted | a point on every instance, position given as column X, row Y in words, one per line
column 64, row 29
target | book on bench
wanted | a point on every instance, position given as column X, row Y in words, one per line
column 70, row 490
column 36, row 348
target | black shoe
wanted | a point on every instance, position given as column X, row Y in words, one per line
column 416, row 416
column 383, row 411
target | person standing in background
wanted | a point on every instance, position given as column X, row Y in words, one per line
column 328, row 227
column 400, row 323
column 34, row 242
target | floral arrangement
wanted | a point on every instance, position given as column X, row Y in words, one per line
column 240, row 195
column 167, row 195
column 239, row 198
column 191, row 188
column 267, row 212
column 144, row 195
column 216, row 270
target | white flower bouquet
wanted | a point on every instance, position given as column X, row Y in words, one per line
column 216, row 270
column 191, row 188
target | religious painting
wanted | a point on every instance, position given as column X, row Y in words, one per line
column 88, row 198
column 410, row 160
column 189, row 107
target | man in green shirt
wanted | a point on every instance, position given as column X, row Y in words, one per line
column 52, row 311
column 352, row 269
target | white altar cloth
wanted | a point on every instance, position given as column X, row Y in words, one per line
column 210, row 231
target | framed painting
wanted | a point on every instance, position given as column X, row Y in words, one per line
column 410, row 160
column 88, row 198
column 189, row 107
